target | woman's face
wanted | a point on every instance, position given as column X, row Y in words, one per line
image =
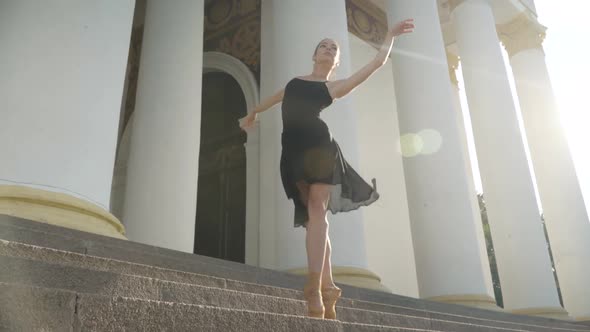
column 327, row 51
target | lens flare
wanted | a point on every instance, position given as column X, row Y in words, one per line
column 425, row 142
column 432, row 141
column 411, row 145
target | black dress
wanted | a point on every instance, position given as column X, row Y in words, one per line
column 311, row 154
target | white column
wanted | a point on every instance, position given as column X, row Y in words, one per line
column 565, row 214
column 449, row 264
column 523, row 261
column 63, row 69
column 161, row 195
column 291, row 29
column 453, row 62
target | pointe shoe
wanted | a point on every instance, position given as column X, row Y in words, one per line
column 330, row 296
column 311, row 292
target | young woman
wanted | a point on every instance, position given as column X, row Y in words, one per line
column 315, row 175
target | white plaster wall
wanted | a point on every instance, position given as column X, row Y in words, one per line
column 387, row 224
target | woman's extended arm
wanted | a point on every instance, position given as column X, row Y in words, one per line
column 343, row 87
column 247, row 122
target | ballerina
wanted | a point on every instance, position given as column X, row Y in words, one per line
column 314, row 173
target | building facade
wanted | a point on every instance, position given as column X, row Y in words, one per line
column 120, row 118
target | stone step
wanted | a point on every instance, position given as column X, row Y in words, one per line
column 50, row 236
column 26, row 308
column 52, row 276
column 134, row 258
column 106, row 277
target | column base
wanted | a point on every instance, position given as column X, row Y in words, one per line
column 58, row 209
column 547, row 312
column 469, row 300
column 352, row 276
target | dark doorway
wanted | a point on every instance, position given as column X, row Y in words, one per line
column 220, row 228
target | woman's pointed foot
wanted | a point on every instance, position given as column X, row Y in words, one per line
column 313, row 295
column 330, row 296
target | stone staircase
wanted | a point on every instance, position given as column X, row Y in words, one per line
column 58, row 279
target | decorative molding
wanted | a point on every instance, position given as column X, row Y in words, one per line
column 522, row 33
column 233, row 27
column 366, row 21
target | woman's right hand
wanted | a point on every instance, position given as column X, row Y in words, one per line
column 248, row 121
column 405, row 26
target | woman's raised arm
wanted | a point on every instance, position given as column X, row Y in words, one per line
column 341, row 88
column 247, row 122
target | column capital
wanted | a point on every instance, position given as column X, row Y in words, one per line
column 522, row 33
column 453, row 63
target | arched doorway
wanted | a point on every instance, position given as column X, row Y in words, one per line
column 220, row 228
column 224, row 63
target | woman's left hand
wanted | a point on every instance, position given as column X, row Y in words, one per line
column 405, row 26
column 247, row 122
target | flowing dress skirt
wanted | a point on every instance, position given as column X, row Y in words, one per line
column 310, row 161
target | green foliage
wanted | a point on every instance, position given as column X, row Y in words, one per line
column 492, row 256
column 491, row 253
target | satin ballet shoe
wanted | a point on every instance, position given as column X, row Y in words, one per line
column 311, row 293
column 330, row 296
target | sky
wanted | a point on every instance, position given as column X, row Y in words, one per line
column 567, row 50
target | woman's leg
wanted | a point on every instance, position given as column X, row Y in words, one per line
column 317, row 226
column 327, row 279
column 315, row 243
column 330, row 292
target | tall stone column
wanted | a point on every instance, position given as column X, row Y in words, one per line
column 63, row 70
column 161, row 193
column 453, row 62
column 524, row 267
column 564, row 211
column 291, row 29
column 449, row 264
